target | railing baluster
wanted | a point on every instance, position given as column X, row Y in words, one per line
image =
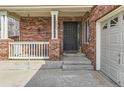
column 34, row 50
column 47, row 49
column 16, row 50
column 31, row 50
column 39, row 50
column 10, row 50
column 44, row 50
column 21, row 51
column 24, row 50
column 28, row 50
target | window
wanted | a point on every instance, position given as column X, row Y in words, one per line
column 86, row 31
column 13, row 27
column 105, row 26
column 114, row 22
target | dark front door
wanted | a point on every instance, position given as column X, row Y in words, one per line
column 70, row 36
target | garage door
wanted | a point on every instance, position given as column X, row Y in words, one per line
column 112, row 48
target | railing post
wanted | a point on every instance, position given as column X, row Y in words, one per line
column 54, row 46
column 54, row 49
column 4, row 48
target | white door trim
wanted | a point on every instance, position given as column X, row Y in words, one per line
column 98, row 33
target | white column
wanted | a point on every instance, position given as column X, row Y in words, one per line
column 54, row 24
column 4, row 25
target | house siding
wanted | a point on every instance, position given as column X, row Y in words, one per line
column 96, row 13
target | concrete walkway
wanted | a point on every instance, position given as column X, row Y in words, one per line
column 16, row 73
column 71, row 77
column 38, row 73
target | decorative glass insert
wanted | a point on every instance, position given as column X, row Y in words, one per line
column 114, row 22
column 105, row 26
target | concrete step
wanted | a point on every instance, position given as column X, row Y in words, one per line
column 85, row 62
column 77, row 67
column 73, row 54
column 52, row 65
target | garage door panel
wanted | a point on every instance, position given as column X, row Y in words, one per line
column 122, row 59
column 121, row 27
column 114, row 74
column 105, row 67
column 122, row 48
column 115, row 47
column 105, row 53
column 115, row 38
column 123, row 37
column 114, row 29
column 114, row 56
column 104, row 59
column 121, row 83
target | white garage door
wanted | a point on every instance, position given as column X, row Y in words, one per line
column 112, row 48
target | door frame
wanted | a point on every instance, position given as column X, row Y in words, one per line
column 78, row 33
column 98, row 34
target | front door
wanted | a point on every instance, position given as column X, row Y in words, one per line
column 70, row 36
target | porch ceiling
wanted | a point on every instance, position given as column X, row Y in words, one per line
column 45, row 10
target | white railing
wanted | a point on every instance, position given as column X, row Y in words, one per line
column 28, row 50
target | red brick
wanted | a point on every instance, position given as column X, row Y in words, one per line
column 96, row 13
column 4, row 48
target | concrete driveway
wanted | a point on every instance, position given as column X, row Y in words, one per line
column 78, row 78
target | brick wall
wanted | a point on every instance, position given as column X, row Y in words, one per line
column 96, row 13
column 54, row 50
column 35, row 29
column 39, row 28
column 4, row 48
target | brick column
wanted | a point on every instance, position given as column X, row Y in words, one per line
column 4, row 48
column 54, row 49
